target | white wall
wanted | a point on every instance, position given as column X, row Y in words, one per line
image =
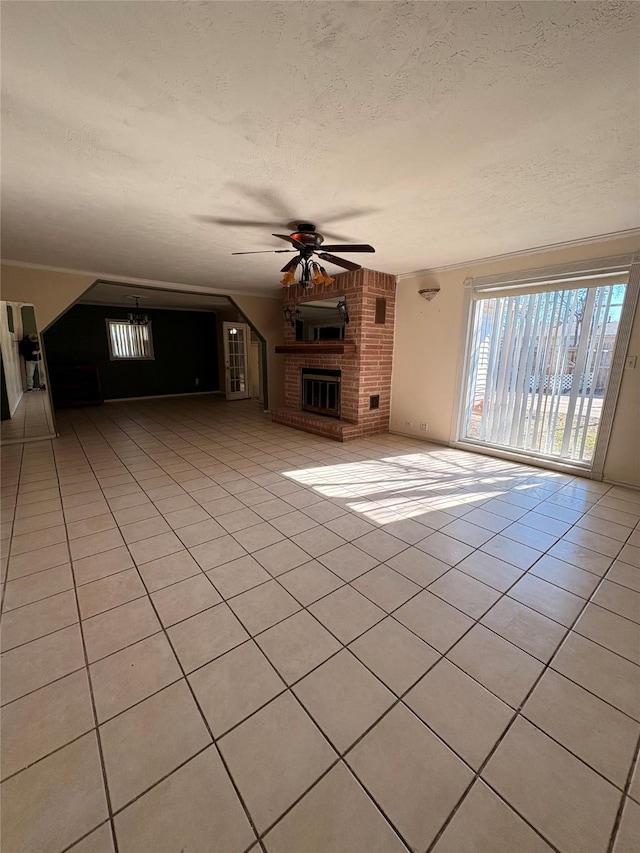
column 427, row 346
column 253, row 367
column 10, row 354
column 267, row 317
column 49, row 291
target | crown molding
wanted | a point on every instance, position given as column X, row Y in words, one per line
column 142, row 282
column 585, row 241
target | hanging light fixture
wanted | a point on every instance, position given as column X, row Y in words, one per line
column 320, row 275
column 307, row 272
column 136, row 317
column 311, row 273
column 328, row 279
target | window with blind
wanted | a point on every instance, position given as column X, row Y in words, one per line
column 538, row 363
column 127, row 341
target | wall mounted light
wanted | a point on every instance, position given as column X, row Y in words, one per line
column 429, row 292
column 290, row 316
column 342, row 311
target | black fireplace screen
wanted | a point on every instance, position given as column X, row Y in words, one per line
column 321, row 391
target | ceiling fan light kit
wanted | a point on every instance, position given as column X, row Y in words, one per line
column 307, row 242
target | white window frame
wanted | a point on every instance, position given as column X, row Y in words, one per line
column 114, row 356
column 629, row 263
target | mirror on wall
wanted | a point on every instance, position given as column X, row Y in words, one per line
column 27, row 414
column 320, row 320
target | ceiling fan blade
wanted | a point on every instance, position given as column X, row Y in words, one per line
column 346, row 214
column 291, row 265
column 339, row 262
column 331, row 235
column 268, row 197
column 350, row 247
column 296, row 243
column 222, row 220
column 266, row 252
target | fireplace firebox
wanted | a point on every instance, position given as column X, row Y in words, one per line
column 321, row 391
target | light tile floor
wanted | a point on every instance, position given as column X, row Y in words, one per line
column 31, row 419
column 221, row 634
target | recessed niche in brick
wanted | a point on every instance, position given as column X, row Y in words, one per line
column 381, row 312
column 374, row 401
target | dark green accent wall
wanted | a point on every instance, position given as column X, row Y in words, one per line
column 184, row 345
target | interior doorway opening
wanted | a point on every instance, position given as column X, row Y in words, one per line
column 186, row 351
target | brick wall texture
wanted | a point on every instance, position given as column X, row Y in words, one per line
column 365, row 372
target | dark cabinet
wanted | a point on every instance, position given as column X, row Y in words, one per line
column 75, row 385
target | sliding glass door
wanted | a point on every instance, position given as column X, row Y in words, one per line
column 538, row 363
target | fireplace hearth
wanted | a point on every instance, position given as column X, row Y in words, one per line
column 321, row 391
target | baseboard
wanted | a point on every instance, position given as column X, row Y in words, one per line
column 8, row 441
column 516, row 458
column 15, row 408
column 421, row 438
column 160, row 396
column 634, row 486
column 523, row 459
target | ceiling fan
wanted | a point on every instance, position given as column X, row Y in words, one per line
column 307, row 242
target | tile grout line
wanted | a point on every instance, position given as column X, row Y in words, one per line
column 625, row 796
column 10, row 541
column 98, row 739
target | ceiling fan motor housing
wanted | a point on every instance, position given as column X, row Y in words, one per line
column 306, row 233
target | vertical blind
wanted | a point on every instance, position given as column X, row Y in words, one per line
column 129, row 341
column 538, row 367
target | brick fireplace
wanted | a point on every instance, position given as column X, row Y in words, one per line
column 363, row 359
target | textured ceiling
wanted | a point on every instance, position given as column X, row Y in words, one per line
column 451, row 131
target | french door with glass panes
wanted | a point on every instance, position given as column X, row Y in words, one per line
column 236, row 360
column 538, row 361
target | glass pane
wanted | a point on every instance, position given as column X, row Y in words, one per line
column 236, row 360
column 538, row 369
column 129, row 341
